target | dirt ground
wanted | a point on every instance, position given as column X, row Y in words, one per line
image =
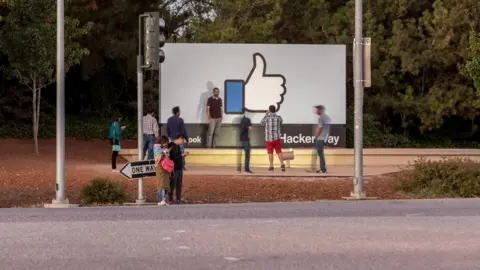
column 29, row 180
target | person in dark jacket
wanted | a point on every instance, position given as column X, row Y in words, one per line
column 115, row 135
column 175, row 127
column 176, row 181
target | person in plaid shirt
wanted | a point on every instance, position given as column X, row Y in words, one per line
column 273, row 124
column 150, row 132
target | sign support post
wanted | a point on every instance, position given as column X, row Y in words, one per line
column 360, row 82
column 159, row 95
column 60, row 200
column 141, row 198
column 150, row 59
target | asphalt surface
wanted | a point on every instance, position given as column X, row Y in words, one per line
column 440, row 234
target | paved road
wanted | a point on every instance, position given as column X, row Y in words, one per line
column 322, row 235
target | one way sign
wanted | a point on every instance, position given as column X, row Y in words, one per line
column 139, row 169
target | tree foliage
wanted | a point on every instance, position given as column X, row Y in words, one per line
column 27, row 40
column 417, row 46
column 425, row 55
column 471, row 68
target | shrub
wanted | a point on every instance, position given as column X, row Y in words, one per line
column 104, row 191
column 85, row 128
column 449, row 177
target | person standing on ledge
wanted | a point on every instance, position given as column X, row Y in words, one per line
column 321, row 135
column 150, row 133
column 214, row 114
column 273, row 124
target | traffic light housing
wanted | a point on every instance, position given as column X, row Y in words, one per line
column 154, row 32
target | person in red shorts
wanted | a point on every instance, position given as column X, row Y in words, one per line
column 273, row 124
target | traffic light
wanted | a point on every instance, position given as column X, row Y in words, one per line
column 154, row 40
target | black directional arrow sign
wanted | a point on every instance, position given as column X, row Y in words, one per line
column 139, row 169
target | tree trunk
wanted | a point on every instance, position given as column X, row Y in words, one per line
column 35, row 116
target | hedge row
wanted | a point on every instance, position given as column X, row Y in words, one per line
column 447, row 178
column 375, row 134
column 79, row 128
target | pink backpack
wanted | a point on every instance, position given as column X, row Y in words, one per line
column 167, row 164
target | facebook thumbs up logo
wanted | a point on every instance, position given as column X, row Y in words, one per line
column 255, row 94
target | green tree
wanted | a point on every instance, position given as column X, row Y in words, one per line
column 241, row 21
column 107, row 76
column 28, row 40
column 471, row 68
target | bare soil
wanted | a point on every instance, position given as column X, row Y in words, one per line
column 28, row 180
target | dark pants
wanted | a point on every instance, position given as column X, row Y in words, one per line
column 114, row 153
column 148, row 142
column 176, row 183
column 182, row 150
column 320, row 145
column 247, row 148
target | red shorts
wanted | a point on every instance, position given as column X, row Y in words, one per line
column 277, row 145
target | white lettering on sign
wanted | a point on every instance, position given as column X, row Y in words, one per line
column 143, row 169
column 307, row 139
column 333, row 140
column 197, row 139
column 149, row 168
column 137, row 170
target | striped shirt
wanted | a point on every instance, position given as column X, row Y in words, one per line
column 272, row 123
column 150, row 125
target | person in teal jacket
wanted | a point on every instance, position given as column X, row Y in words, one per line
column 115, row 136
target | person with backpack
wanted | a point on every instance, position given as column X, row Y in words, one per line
column 115, row 135
column 163, row 168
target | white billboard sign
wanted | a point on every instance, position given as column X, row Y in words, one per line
column 251, row 77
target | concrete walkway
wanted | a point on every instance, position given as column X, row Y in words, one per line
column 334, row 171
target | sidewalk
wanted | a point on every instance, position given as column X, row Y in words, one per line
column 333, row 171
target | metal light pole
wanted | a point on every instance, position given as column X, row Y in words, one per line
column 60, row 200
column 141, row 198
column 159, row 95
column 148, row 60
column 358, row 110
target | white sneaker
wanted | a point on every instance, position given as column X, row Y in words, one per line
column 162, row 203
column 114, row 171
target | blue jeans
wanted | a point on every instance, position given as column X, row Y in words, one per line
column 161, row 195
column 247, row 147
column 320, row 145
column 148, row 142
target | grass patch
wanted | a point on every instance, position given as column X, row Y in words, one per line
column 447, row 178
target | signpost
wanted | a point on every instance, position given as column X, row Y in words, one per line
column 60, row 200
column 138, row 169
column 151, row 39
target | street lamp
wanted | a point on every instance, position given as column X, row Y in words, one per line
column 60, row 200
column 150, row 56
